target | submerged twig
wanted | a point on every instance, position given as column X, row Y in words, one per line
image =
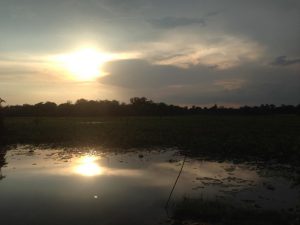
column 170, row 195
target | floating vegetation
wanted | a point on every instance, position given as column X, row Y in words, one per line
column 238, row 138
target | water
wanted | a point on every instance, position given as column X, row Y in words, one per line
column 97, row 186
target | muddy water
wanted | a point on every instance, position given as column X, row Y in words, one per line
column 100, row 186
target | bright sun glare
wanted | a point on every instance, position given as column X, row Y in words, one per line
column 85, row 64
column 88, row 167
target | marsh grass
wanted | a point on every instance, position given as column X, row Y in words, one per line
column 248, row 137
column 221, row 213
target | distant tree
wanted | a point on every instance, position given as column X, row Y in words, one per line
column 142, row 106
column 138, row 106
column 1, row 115
column 2, row 154
column 2, row 161
column 140, row 101
column 65, row 109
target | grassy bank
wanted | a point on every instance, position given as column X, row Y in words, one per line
column 266, row 137
column 219, row 213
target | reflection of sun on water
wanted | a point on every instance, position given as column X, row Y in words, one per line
column 88, row 167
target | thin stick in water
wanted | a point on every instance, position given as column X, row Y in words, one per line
column 167, row 203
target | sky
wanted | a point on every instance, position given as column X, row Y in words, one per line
column 191, row 52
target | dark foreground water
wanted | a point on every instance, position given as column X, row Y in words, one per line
column 95, row 186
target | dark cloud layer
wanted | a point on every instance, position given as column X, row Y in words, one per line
column 172, row 22
column 251, row 84
column 142, row 74
column 284, row 61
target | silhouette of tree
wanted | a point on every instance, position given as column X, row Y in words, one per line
column 65, row 109
column 1, row 117
column 140, row 101
column 137, row 106
column 2, row 151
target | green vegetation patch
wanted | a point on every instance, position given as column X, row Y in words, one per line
column 241, row 137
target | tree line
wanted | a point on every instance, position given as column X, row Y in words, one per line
column 138, row 106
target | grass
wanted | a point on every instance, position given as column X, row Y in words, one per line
column 248, row 137
column 220, row 213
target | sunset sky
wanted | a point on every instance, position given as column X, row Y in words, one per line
column 228, row 52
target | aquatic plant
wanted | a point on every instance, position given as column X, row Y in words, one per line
column 221, row 137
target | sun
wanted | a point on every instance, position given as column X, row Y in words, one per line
column 85, row 64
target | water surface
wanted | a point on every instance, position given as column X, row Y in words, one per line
column 101, row 186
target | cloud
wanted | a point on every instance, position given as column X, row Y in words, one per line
column 172, row 22
column 142, row 74
column 184, row 50
column 124, row 5
column 189, row 51
column 202, row 85
column 284, row 61
column 230, row 84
